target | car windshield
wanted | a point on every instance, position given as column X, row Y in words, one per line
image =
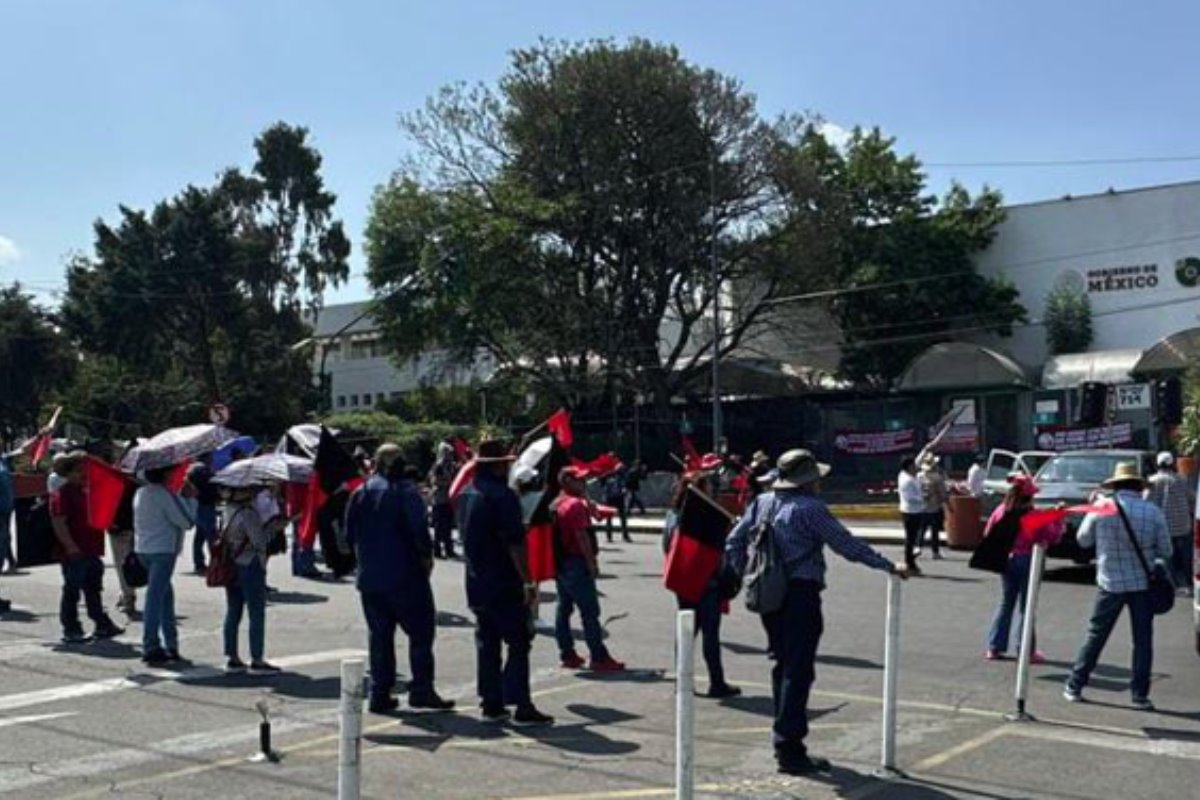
column 1090, row 469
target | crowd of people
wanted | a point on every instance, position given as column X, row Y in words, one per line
column 391, row 528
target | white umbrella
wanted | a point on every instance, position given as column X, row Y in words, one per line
column 260, row 470
column 306, row 437
column 530, row 458
column 176, row 446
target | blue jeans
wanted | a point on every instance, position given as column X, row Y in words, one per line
column 158, row 619
column 708, row 625
column 248, row 592
column 82, row 576
column 206, row 531
column 7, row 559
column 577, row 589
column 304, row 559
column 1182, row 556
column 794, row 633
column 1104, row 617
column 412, row 609
column 1014, row 587
column 503, row 682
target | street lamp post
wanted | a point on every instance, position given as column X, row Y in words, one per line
column 716, row 286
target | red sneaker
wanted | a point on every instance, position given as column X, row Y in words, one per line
column 573, row 661
column 1037, row 657
column 609, row 664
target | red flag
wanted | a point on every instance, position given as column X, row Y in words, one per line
column 559, row 425
column 539, row 533
column 332, row 468
column 462, row 479
column 1037, row 519
column 295, row 499
column 315, row 497
column 539, row 544
column 691, row 456
column 105, row 488
column 599, row 467
column 696, row 547
column 40, row 447
column 462, row 450
column 178, row 476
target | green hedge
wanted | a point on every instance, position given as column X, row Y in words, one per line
column 418, row 440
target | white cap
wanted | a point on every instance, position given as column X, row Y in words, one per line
column 1165, row 459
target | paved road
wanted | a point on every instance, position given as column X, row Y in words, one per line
column 91, row 722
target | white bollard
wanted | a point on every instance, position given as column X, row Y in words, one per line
column 350, row 730
column 891, row 656
column 1027, row 624
column 685, row 677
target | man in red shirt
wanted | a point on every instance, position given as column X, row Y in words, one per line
column 576, row 579
column 80, row 548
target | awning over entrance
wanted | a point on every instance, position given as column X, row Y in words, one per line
column 959, row 365
column 1104, row 366
column 1175, row 353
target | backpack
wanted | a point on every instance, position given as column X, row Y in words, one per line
column 765, row 577
column 222, row 566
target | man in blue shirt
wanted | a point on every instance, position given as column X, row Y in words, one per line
column 385, row 523
column 802, row 527
column 499, row 590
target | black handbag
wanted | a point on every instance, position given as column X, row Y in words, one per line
column 134, row 571
column 1162, row 588
column 992, row 554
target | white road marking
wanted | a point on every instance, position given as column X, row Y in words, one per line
column 75, row 691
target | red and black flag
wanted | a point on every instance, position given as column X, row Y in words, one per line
column 696, row 548
column 559, row 426
column 332, row 468
column 539, row 537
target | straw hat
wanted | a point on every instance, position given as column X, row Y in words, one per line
column 1125, row 473
column 799, row 468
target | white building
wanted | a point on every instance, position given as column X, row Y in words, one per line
column 361, row 372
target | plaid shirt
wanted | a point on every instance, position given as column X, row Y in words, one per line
column 803, row 526
column 1118, row 569
column 1171, row 492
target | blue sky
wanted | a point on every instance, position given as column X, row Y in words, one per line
column 124, row 102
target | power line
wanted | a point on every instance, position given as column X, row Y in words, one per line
column 1066, row 162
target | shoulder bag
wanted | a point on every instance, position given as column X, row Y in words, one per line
column 1162, row 590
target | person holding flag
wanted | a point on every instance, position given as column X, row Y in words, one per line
column 499, row 590
column 576, row 578
column 80, row 549
column 802, row 526
column 693, row 491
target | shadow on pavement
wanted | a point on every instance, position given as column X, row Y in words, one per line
column 601, row 715
column 628, row 676
column 448, row 619
column 850, row 662
column 19, row 615
column 744, row 649
column 1078, row 573
column 296, row 598
column 929, row 576
column 580, row 739
column 107, row 648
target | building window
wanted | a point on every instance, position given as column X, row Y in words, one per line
column 396, row 395
column 380, row 397
column 366, row 399
column 341, row 401
column 354, row 401
column 367, row 348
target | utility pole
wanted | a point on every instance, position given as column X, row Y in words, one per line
column 716, row 286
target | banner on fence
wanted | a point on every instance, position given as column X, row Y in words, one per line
column 1065, row 437
column 874, row 443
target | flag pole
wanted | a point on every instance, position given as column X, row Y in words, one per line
column 711, row 502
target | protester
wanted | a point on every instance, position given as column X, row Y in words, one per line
column 760, row 468
column 1174, row 496
column 441, row 513
column 120, row 543
column 1014, row 581
column 80, row 548
column 802, row 527
column 247, row 540
column 499, row 591
column 199, row 477
column 576, row 576
column 385, row 523
column 912, row 510
column 161, row 519
column 977, row 475
column 936, row 492
column 633, row 488
column 708, row 608
column 8, row 561
column 331, row 529
column 614, row 496
column 270, row 512
column 1122, row 580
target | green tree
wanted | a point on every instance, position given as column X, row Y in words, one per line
column 562, row 221
column 204, row 294
column 903, row 273
column 1068, row 321
column 36, row 360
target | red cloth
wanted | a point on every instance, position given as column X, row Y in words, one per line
column 689, row 567
column 599, row 467
column 105, row 488
column 691, row 456
column 315, row 497
column 462, row 450
column 295, row 499
column 40, row 448
column 574, row 517
column 70, row 503
column 1045, row 526
column 178, row 477
column 463, row 479
column 539, row 543
column 559, row 425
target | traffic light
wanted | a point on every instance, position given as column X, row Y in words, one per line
column 1093, row 404
column 1169, row 397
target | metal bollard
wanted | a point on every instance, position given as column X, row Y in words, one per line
column 685, row 677
column 1027, row 624
column 891, row 656
column 350, row 730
